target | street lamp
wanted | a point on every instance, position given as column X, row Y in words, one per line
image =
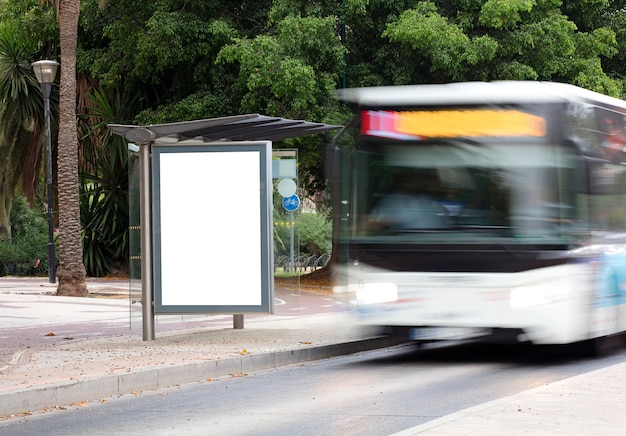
column 46, row 72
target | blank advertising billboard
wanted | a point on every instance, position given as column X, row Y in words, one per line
column 212, row 228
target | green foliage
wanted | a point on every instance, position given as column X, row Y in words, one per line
column 27, row 253
column 176, row 60
column 33, row 22
column 444, row 44
column 97, row 251
column 292, row 73
column 312, row 233
column 314, row 230
column 104, row 217
column 500, row 14
column 163, row 51
column 104, row 199
column 197, row 106
column 16, row 78
column 590, row 14
column 173, row 38
column 497, row 39
column 21, row 109
column 592, row 77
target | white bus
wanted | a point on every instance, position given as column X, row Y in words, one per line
column 493, row 210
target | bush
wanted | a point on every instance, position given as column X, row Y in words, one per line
column 313, row 232
column 27, row 253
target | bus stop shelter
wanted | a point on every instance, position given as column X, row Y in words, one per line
column 187, row 169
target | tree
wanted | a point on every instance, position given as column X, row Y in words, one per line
column 191, row 59
column 163, row 52
column 496, row 40
column 292, row 73
column 25, row 35
column 20, row 125
column 71, row 271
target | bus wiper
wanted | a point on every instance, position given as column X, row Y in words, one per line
column 416, row 231
column 481, row 227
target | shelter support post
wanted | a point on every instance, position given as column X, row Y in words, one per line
column 147, row 286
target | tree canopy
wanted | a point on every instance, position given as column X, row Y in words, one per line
column 194, row 59
column 181, row 60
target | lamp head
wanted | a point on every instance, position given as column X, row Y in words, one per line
column 45, row 71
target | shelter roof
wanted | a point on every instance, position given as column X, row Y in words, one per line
column 250, row 127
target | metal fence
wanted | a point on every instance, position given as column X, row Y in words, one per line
column 301, row 264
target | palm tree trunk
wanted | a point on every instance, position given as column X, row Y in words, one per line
column 5, row 224
column 71, row 271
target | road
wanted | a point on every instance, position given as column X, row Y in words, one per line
column 373, row 393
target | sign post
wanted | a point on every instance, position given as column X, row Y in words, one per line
column 290, row 204
column 285, row 167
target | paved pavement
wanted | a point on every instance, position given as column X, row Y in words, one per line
column 58, row 351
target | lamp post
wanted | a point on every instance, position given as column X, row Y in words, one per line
column 46, row 72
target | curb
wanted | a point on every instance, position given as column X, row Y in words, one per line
column 18, row 401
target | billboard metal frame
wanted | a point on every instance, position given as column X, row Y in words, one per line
column 212, row 227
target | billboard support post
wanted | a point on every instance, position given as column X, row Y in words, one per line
column 147, row 294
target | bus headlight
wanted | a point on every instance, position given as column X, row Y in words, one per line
column 526, row 296
column 372, row 293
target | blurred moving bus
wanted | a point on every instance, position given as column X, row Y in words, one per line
column 519, row 230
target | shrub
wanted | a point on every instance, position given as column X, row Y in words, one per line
column 313, row 232
column 27, row 253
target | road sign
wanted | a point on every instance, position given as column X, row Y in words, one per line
column 291, row 203
column 286, row 187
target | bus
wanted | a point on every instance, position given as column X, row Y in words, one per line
column 490, row 211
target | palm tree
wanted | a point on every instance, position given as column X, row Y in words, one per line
column 71, row 271
column 21, row 114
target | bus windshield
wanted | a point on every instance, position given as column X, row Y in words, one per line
column 465, row 191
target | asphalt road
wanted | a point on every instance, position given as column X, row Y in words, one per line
column 374, row 393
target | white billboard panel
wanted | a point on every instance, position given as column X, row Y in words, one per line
column 212, row 228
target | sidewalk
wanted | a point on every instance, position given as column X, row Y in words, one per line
column 592, row 404
column 62, row 350
column 58, row 351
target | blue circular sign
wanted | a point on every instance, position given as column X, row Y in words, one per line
column 291, row 203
